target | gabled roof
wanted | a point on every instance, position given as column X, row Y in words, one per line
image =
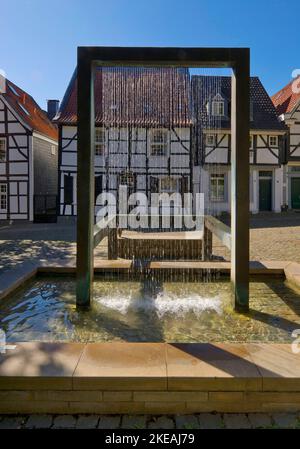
column 28, row 110
column 139, row 96
column 285, row 100
column 263, row 113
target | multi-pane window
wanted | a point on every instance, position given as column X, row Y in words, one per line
column 127, row 178
column 3, row 196
column 210, row 139
column 217, row 187
column 159, row 142
column 100, row 141
column 2, row 150
column 273, row 141
column 218, row 108
column 169, row 184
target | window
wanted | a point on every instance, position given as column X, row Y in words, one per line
column 100, row 141
column 273, row 141
column 218, row 108
column 23, row 108
column 127, row 179
column 68, row 189
column 53, row 150
column 169, row 184
column 13, row 90
column 217, row 187
column 3, row 197
column 210, row 139
column 2, row 150
column 159, row 142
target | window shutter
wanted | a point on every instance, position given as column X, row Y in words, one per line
column 68, row 189
column 184, row 185
column 154, row 184
column 98, row 186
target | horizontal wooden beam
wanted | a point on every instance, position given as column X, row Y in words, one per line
column 163, row 56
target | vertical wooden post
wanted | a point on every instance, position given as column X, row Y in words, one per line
column 85, row 181
column 240, row 116
column 112, row 243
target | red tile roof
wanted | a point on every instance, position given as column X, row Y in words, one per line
column 285, row 100
column 36, row 118
column 138, row 96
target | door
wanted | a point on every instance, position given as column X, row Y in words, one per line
column 265, row 194
column 3, row 200
column 295, row 193
column 45, row 208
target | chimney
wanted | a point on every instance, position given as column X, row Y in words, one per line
column 52, row 108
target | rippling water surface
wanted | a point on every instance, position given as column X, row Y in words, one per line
column 150, row 311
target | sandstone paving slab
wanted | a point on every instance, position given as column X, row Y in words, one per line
column 133, row 366
column 224, row 367
column 33, row 365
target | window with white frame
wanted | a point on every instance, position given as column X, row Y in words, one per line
column 53, row 150
column 2, row 150
column 3, row 197
column 100, row 141
column 210, row 139
column 169, row 184
column 218, row 108
column 273, row 140
column 159, row 142
column 217, row 187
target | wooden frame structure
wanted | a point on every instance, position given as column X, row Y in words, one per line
column 236, row 58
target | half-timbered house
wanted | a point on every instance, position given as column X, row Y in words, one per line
column 211, row 140
column 287, row 103
column 28, row 154
column 142, row 135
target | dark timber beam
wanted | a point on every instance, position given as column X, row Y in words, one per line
column 85, row 182
column 240, row 117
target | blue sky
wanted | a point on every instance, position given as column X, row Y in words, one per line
column 39, row 38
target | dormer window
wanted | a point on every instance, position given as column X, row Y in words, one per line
column 273, row 140
column 218, row 108
column 159, row 142
column 100, row 141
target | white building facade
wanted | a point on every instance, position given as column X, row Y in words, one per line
column 212, row 137
column 28, row 154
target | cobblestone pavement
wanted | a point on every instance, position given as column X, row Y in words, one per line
column 30, row 243
column 185, row 422
column 272, row 237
